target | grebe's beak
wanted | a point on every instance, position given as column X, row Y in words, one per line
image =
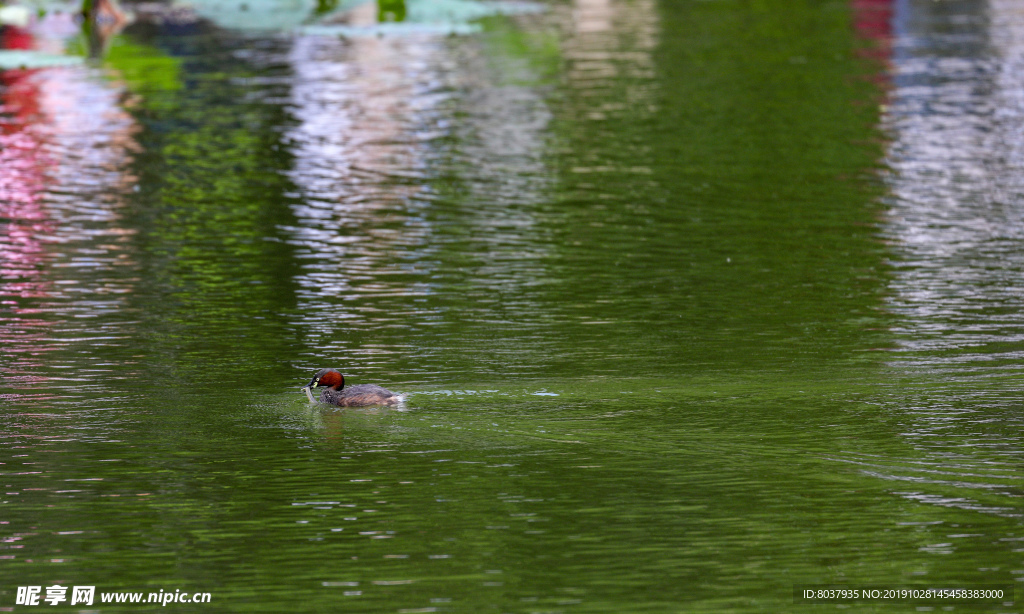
column 312, row 384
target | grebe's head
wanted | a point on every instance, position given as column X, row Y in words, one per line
column 327, row 377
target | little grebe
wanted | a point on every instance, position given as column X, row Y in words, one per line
column 335, row 393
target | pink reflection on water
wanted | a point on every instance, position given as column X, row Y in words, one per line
column 21, row 163
column 872, row 21
column 23, row 218
column 64, row 144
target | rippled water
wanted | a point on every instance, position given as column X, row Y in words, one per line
column 957, row 258
column 691, row 302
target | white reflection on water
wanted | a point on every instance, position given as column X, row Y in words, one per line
column 409, row 145
column 957, row 186
column 363, row 109
column 956, row 222
column 376, row 119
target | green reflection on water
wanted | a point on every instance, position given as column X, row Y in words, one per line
column 739, row 172
column 636, row 332
column 144, row 69
column 214, row 279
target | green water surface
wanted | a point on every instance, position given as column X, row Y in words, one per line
column 640, row 268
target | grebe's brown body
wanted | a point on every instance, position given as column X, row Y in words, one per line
column 335, row 393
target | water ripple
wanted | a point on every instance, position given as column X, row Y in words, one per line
column 956, row 182
column 63, row 250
